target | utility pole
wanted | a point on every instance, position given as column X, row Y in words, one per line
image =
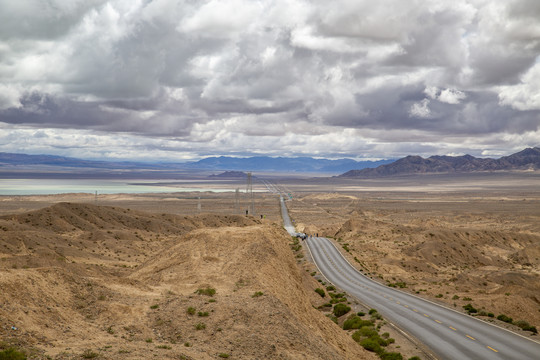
column 199, row 205
column 249, row 192
column 237, row 201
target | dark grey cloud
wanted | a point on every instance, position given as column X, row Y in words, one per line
column 348, row 78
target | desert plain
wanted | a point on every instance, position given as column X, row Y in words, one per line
column 189, row 276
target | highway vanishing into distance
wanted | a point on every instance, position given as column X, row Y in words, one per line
column 447, row 333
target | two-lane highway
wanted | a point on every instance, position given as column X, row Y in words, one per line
column 448, row 333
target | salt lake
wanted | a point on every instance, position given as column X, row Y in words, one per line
column 62, row 186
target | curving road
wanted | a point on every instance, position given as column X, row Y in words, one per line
column 448, row 333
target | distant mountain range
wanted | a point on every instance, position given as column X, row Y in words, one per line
column 283, row 164
column 10, row 159
column 223, row 163
column 527, row 159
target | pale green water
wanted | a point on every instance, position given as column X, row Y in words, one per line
column 62, row 186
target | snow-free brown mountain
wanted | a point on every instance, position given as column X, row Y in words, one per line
column 527, row 159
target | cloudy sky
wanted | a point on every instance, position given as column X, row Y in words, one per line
column 184, row 79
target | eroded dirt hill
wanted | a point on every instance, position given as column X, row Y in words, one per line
column 83, row 280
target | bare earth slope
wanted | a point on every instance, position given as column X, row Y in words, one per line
column 116, row 283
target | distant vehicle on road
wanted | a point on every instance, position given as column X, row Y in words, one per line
column 301, row 236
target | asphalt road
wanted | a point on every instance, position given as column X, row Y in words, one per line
column 448, row 334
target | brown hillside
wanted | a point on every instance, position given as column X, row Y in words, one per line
column 84, row 279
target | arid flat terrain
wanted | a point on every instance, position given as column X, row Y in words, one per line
column 119, row 277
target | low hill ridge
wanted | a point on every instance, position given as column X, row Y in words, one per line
column 104, row 280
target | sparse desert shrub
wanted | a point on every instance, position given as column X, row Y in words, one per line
column 391, row 356
column 521, row 323
column 12, row 354
column 206, row 291
column 154, row 306
column 414, row 358
column 526, row 326
column 331, row 288
column 336, row 296
column 374, row 314
column 470, row 309
column 371, row 345
column 164, row 347
column 341, row 309
column 455, row 297
column 223, row 355
column 491, row 315
column 360, row 313
column 354, row 322
column 466, row 298
column 257, row 294
column 368, row 331
column 89, row 354
column 439, row 296
column 200, row 326
column 505, row 318
column 320, row 292
column 203, row 314
column 190, row 310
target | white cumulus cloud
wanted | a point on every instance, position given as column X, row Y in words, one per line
column 169, row 71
